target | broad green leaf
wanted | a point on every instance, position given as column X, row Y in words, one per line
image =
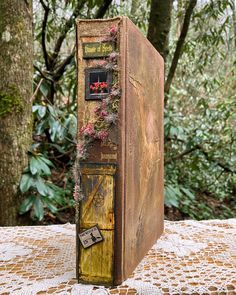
column 41, row 186
column 44, row 167
column 46, row 161
column 38, row 208
column 26, row 205
column 171, row 197
column 72, row 125
column 37, row 165
column 42, row 111
column 41, row 126
column 188, row 193
column 53, row 111
column 50, row 206
column 26, row 182
column 58, row 147
column 44, row 88
column 34, row 166
column 55, row 127
column 35, row 108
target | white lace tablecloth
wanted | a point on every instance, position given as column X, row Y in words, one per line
column 191, row 257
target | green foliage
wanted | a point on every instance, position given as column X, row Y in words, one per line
column 41, row 192
column 200, row 136
column 200, row 118
column 38, row 181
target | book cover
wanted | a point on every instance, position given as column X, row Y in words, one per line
column 120, row 121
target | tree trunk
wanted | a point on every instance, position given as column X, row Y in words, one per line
column 234, row 21
column 181, row 8
column 134, row 7
column 159, row 25
column 179, row 46
column 16, row 59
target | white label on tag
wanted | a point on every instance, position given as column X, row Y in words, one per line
column 90, row 236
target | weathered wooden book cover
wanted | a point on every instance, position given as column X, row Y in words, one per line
column 122, row 175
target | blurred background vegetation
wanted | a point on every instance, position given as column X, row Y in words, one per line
column 200, row 105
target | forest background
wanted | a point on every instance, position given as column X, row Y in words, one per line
column 197, row 40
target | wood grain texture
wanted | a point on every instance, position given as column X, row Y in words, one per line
column 96, row 263
column 144, row 148
column 98, row 206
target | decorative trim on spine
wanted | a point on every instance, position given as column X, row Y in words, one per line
column 106, row 115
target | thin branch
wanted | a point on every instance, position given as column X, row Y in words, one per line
column 181, row 155
column 103, row 9
column 179, row 46
column 218, row 163
column 68, row 25
column 205, row 153
column 44, row 29
column 36, row 90
column 42, row 74
column 62, row 67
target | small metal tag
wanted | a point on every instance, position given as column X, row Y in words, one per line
column 90, row 236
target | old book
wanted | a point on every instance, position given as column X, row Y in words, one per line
column 121, row 216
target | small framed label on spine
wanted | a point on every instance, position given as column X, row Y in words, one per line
column 90, row 237
column 97, row 49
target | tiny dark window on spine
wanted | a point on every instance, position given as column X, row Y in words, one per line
column 97, row 83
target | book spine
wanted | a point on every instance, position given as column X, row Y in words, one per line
column 99, row 92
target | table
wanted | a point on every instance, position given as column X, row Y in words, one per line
column 192, row 257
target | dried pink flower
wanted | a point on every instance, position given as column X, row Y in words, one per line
column 111, row 118
column 104, row 113
column 107, row 100
column 109, row 66
column 97, row 110
column 115, row 92
column 88, row 130
column 113, row 31
column 79, row 147
column 103, row 104
column 81, row 150
column 76, row 192
column 113, row 57
column 99, row 63
column 102, row 135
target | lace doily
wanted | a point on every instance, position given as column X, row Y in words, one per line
column 192, row 257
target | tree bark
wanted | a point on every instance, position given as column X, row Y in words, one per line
column 159, row 25
column 179, row 47
column 133, row 10
column 234, row 21
column 16, row 60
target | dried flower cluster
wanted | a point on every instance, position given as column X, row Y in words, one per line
column 106, row 115
column 113, row 31
column 99, row 87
